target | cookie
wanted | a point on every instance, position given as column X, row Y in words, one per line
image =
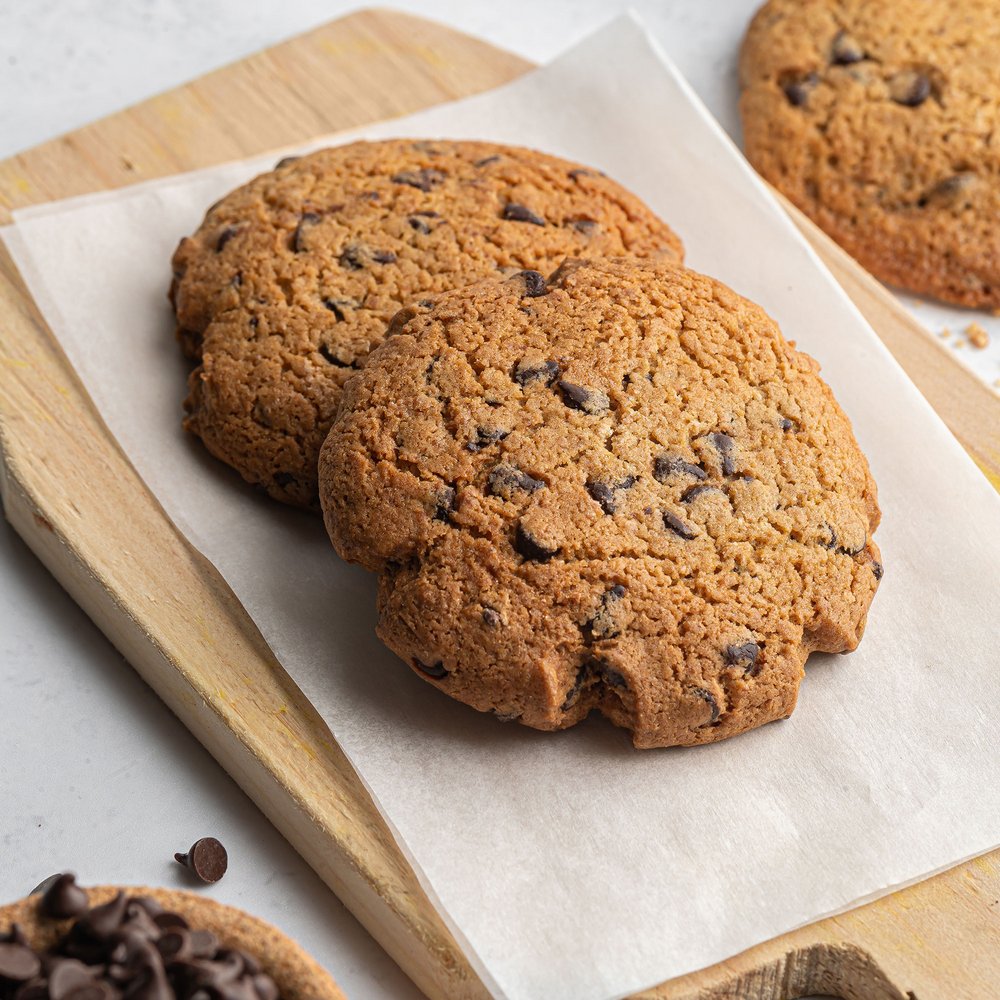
column 291, row 280
column 618, row 490
column 878, row 121
column 203, row 944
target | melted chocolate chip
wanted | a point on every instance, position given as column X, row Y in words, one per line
column 521, row 213
column 63, row 898
column 605, row 492
column 846, row 49
column 677, row 526
column 207, row 858
column 708, row 697
column 306, row 220
column 423, row 180
column 743, row 655
column 666, row 466
column 580, row 397
column 531, row 548
column 484, row 438
column 444, row 503
column 505, row 480
column 435, row 670
column 797, row 87
column 604, row 622
column 224, row 237
column 527, row 372
column 910, row 88
column 534, row 284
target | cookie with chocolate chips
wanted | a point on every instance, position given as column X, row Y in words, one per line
column 878, row 121
column 159, row 944
column 291, row 280
column 655, row 507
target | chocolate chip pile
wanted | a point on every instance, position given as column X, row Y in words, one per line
column 129, row 948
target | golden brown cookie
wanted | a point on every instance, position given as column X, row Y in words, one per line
column 620, row 490
column 290, row 281
column 295, row 975
column 879, row 120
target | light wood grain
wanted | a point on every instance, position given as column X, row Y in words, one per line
column 65, row 483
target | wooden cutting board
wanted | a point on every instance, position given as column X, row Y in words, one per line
column 65, row 485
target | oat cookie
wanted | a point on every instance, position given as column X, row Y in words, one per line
column 290, row 280
column 621, row 490
column 879, row 120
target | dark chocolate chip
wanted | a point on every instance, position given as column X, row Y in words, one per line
column 787, row 425
column 284, row 479
column 224, row 237
column 677, row 526
column 207, row 858
column 952, row 192
column 419, row 225
column 666, row 466
column 846, row 550
column 580, row 172
column 846, row 49
column 693, row 492
column 383, row 257
column 530, row 547
column 910, row 88
column 435, row 670
column 527, row 372
column 100, row 921
column 877, row 569
column 69, row 979
column 285, row 160
column 444, row 503
column 534, row 284
column 593, row 669
column 352, row 257
column 831, row 542
column 725, row 446
column 605, row 491
column 604, row 622
column 327, row 352
column 18, row 962
column 485, row 161
column 743, row 655
column 423, row 180
column 579, row 397
column 306, row 220
column 521, row 213
column 491, row 617
column 797, row 87
column 336, row 306
column 63, row 898
column 613, row 678
column 504, row 480
column 485, row 437
column 708, row 697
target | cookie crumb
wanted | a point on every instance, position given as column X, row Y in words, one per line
column 978, row 337
column 944, row 333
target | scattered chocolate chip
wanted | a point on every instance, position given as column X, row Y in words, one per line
column 604, row 622
column 521, row 213
column 743, row 655
column 579, row 397
column 486, row 160
column 505, row 480
column 491, row 617
column 285, row 160
column 877, row 569
column 18, row 962
column 444, row 503
column 910, row 88
column 534, row 284
column 693, row 492
column 666, row 466
column 677, row 526
column 527, row 372
column 435, row 670
column 846, row 49
column 797, row 87
column 224, row 237
column 708, row 697
column 725, row 446
column 207, row 858
column 284, row 479
column 419, row 225
column 952, row 192
column 63, row 898
column 306, row 220
column 423, row 180
column 530, row 548
column 484, row 438
column 605, row 492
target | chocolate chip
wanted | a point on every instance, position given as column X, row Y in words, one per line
column 423, row 180
column 708, row 697
column 666, row 466
column 530, row 547
column 419, row 225
column 604, row 622
column 831, row 542
column 383, row 257
column 726, row 447
column 693, row 492
column 337, row 306
column 846, row 49
column 613, row 678
column 444, row 503
column 605, row 492
column 743, row 655
column 224, row 237
column 593, row 669
column 584, row 226
column 284, row 479
column 910, row 88
column 491, row 617
column 579, row 397
column 306, row 220
column 580, row 172
column 485, row 161
column 521, row 213
column 534, row 284
column 352, row 257
column 18, row 962
column 285, row 160
column 787, row 425
column 877, row 569
column 484, row 438
column 952, row 192
column 435, row 670
column 797, row 87
column 527, row 372
column 677, row 526
column 63, row 898
column 207, row 858
column 69, row 978
column 327, row 352
column 505, row 480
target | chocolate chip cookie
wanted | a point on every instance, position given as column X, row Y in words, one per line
column 620, row 489
column 879, row 121
column 290, row 280
column 154, row 943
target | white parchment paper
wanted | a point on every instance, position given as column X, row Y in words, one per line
column 571, row 865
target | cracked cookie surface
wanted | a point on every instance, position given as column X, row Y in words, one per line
column 291, row 279
column 619, row 490
column 879, row 121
